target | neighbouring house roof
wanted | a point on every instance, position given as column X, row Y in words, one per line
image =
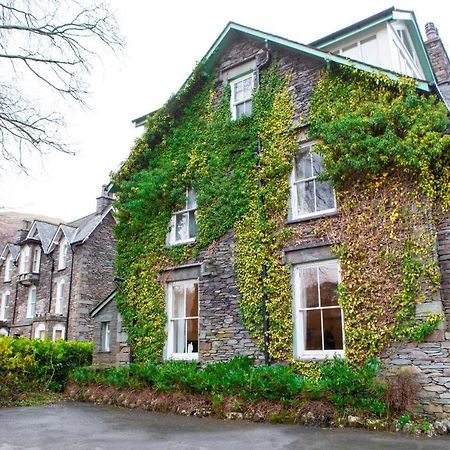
column 42, row 232
column 88, row 226
column 103, row 303
column 9, row 248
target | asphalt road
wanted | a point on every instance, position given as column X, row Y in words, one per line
column 87, row 426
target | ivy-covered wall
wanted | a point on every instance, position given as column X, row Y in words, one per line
column 383, row 148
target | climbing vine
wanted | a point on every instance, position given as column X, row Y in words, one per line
column 383, row 148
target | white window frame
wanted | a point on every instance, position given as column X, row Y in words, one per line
column 105, row 336
column 233, row 103
column 24, row 260
column 172, row 236
column 294, row 213
column 31, row 305
column 5, row 305
column 36, row 259
column 299, row 332
column 38, row 330
column 359, row 45
column 59, row 296
column 3, row 332
column 62, row 255
column 193, row 356
column 58, row 327
column 9, row 264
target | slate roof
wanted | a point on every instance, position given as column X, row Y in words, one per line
column 46, row 232
column 13, row 249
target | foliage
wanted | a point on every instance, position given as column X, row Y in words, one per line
column 32, row 365
column 192, row 141
column 402, row 390
column 349, row 388
column 383, row 148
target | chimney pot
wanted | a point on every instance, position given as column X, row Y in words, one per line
column 431, row 31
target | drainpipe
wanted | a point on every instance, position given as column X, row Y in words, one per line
column 66, row 334
column 263, row 276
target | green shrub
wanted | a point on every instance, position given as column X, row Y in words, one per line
column 32, row 364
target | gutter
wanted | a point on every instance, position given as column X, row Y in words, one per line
column 66, row 335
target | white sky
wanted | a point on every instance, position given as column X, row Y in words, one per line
column 165, row 39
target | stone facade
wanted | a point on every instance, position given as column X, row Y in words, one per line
column 70, row 268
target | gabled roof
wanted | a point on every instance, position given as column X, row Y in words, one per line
column 387, row 15
column 88, row 225
column 9, row 248
column 42, row 232
column 63, row 230
column 103, row 303
column 234, row 29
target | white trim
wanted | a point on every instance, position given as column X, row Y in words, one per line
column 62, row 253
column 105, row 336
column 38, row 329
column 293, row 197
column 9, row 267
column 172, row 234
column 31, row 304
column 58, row 327
column 5, row 305
column 299, row 345
column 36, row 262
column 59, row 296
column 233, row 103
column 193, row 356
column 24, row 263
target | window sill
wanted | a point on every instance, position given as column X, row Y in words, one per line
column 320, row 355
column 320, row 215
column 183, row 357
column 104, row 352
column 174, row 244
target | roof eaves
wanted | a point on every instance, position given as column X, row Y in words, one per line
column 103, row 303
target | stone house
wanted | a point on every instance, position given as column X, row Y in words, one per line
column 204, row 321
column 53, row 275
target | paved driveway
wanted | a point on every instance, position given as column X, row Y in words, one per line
column 86, row 426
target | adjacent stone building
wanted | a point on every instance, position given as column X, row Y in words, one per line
column 54, row 274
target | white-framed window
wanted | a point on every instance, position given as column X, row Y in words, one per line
column 24, row 265
column 62, row 255
column 318, row 317
column 9, row 268
column 309, row 196
column 105, row 336
column 31, row 306
column 59, row 296
column 58, row 332
column 365, row 50
column 36, row 259
column 3, row 332
column 241, row 96
column 39, row 332
column 183, row 224
column 4, row 305
column 183, row 312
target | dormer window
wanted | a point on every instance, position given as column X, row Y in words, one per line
column 241, row 96
column 183, row 225
column 24, row 260
column 36, row 259
column 9, row 268
column 62, row 256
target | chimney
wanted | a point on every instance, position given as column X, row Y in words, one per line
column 23, row 231
column 105, row 199
column 439, row 60
column 431, row 31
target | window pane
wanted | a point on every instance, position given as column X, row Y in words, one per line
column 303, row 165
column 369, row 50
column 192, row 224
column 179, row 338
column 177, row 301
column 317, row 164
column 181, row 227
column 309, row 296
column 192, row 300
column 58, row 334
column 192, row 335
column 313, row 327
column 191, row 199
column 248, row 108
column 238, row 91
column 240, row 110
column 332, row 325
column 351, row 52
column 324, row 195
column 247, row 87
column 305, row 197
column 328, row 276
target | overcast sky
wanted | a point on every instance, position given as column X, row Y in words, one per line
column 165, row 39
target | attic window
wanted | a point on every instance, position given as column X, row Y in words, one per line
column 403, row 35
column 63, row 247
column 241, row 96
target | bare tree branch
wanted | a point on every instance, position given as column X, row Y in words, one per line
column 54, row 43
